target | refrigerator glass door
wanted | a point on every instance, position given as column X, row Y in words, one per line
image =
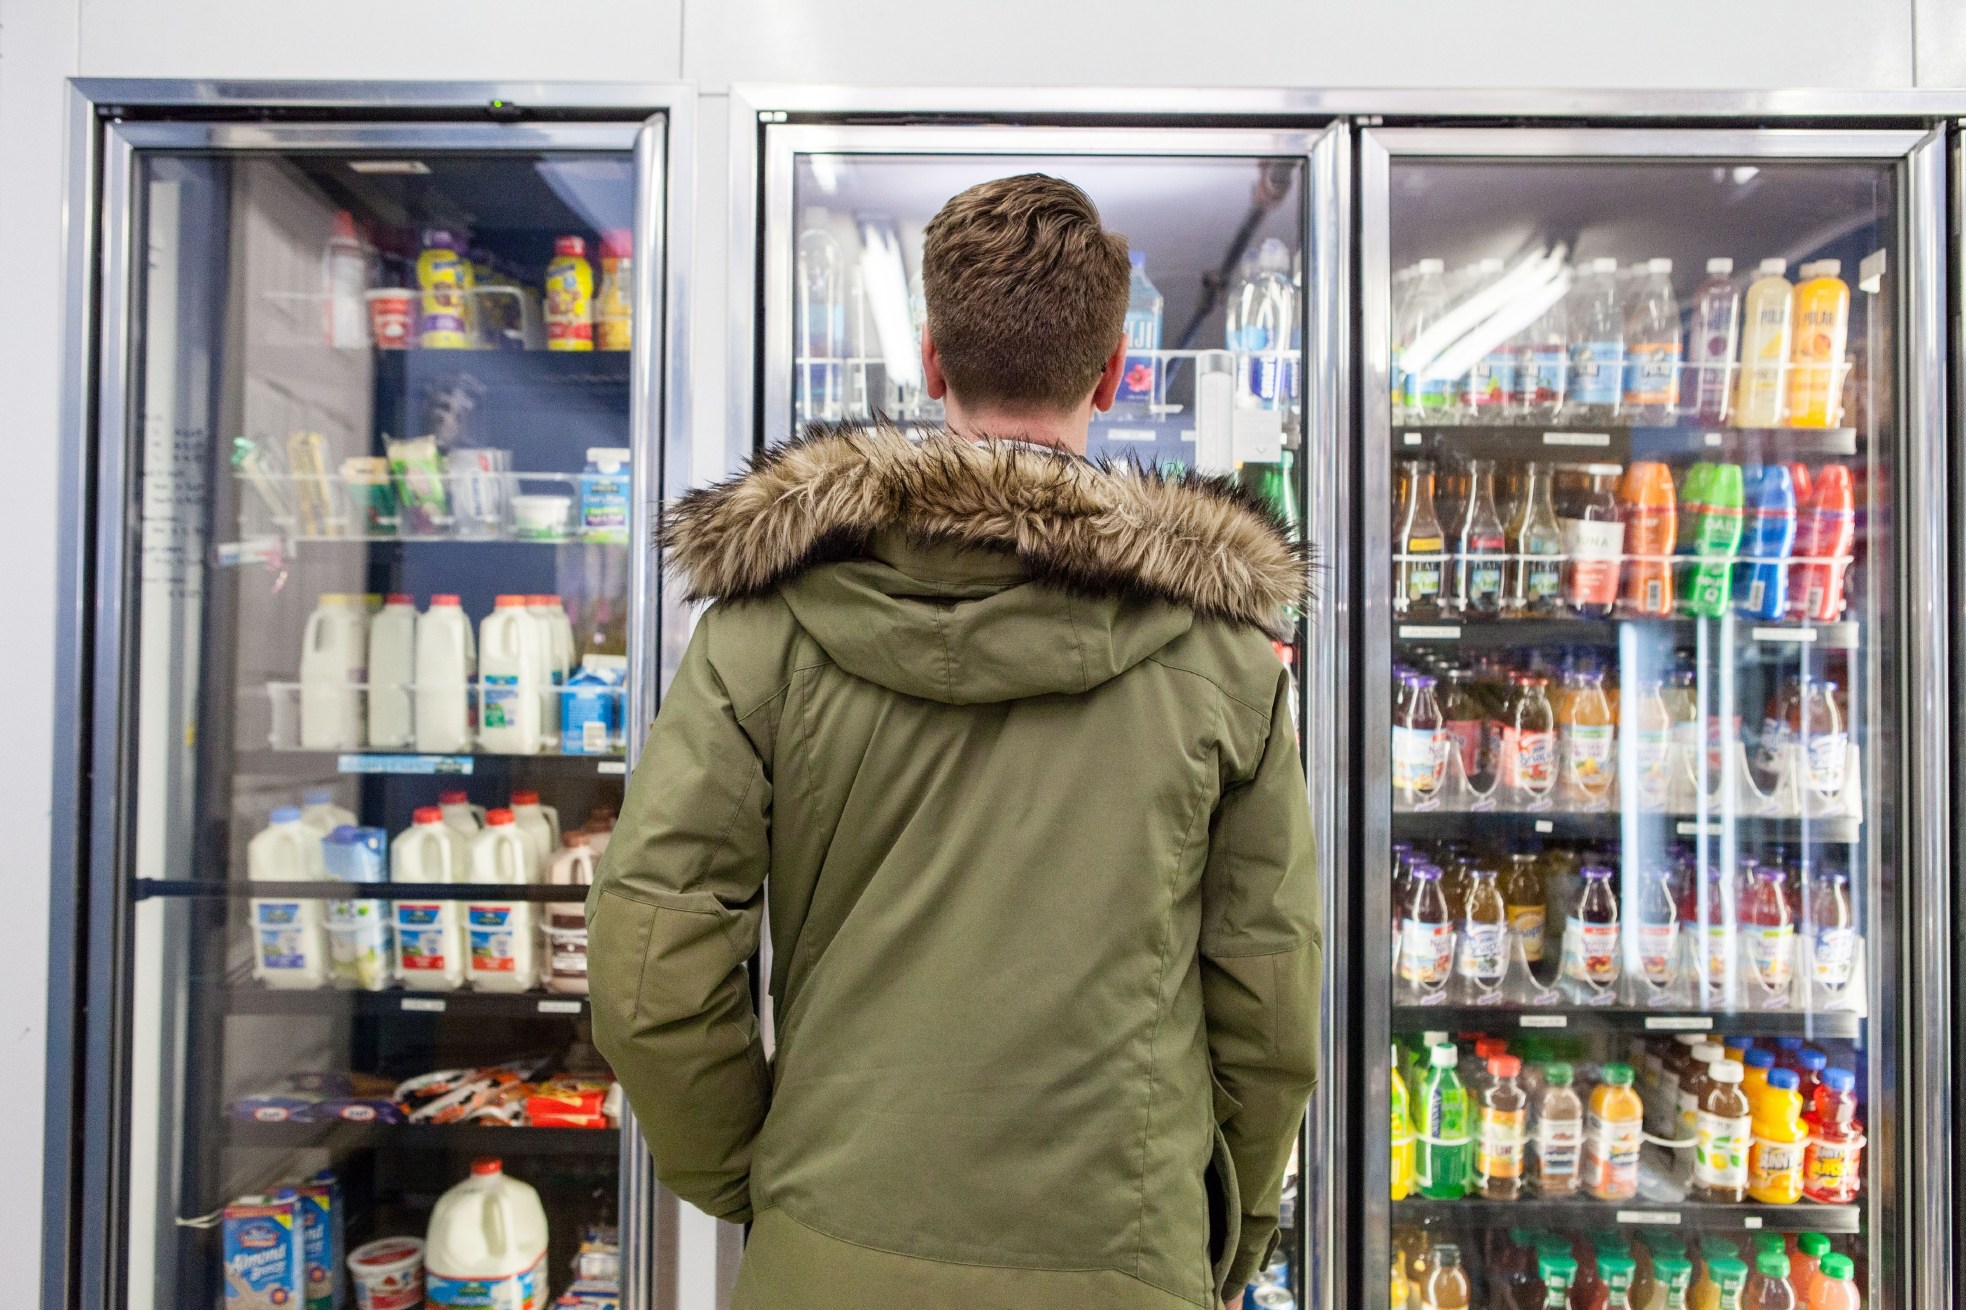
column 1641, row 461
column 377, row 405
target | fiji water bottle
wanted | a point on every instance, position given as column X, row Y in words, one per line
column 1267, row 311
column 1761, row 587
column 1143, row 316
column 1597, row 345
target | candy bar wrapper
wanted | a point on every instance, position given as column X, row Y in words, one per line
column 265, row 1253
column 275, row 1109
column 361, row 1110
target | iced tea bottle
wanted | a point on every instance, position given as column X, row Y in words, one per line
column 1503, row 1140
column 1446, row 1287
column 1723, row 1130
column 1612, row 1133
column 1768, row 1287
column 1529, row 745
column 1480, row 547
column 1588, row 734
column 1522, row 894
column 1594, row 539
column 1832, row 1167
column 1590, row 931
column 1559, row 1133
column 1535, row 573
column 1420, row 545
column 1647, row 502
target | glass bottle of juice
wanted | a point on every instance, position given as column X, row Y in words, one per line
column 1503, row 1139
column 1594, row 540
column 1656, row 925
column 1522, row 894
column 1768, row 930
column 1590, row 931
column 1484, row 949
column 1535, row 542
column 1647, row 505
column 1768, row 1287
column 1822, row 328
column 1420, row 545
column 1419, row 740
column 1780, row 1140
column 1402, row 1133
column 614, row 305
column 1832, row 1167
column 1836, row 1289
column 1529, row 744
column 1466, row 725
column 1401, row 1293
column 1806, row 1265
column 1612, row 1134
column 1440, row 1164
column 1559, row 1132
column 1426, row 939
column 1481, row 547
column 1723, row 1130
column 1830, row 953
column 1588, row 737
column 1651, row 733
column 1446, row 1287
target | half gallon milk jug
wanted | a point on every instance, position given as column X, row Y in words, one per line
column 467, row 819
column 290, row 944
column 504, row 956
column 566, row 921
column 334, row 656
column 392, row 672
column 512, row 645
column 559, row 657
column 444, row 664
column 358, row 931
column 541, row 824
column 319, row 811
column 486, row 1245
column 429, row 934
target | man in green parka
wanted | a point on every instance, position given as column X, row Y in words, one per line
column 996, row 741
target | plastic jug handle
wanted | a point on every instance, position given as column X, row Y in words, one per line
column 495, row 1224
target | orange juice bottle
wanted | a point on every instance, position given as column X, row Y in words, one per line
column 1612, row 1133
column 1780, row 1139
column 1822, row 329
column 1646, row 503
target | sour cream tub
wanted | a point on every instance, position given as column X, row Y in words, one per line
column 541, row 518
column 388, row 1274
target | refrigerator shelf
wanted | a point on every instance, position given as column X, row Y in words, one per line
column 394, row 1002
column 238, row 889
column 1441, row 825
column 1563, row 1019
column 1568, row 1215
column 396, row 369
column 343, row 1138
column 273, row 762
column 1615, row 444
column 1509, row 634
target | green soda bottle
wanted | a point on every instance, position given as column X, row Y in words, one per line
column 1716, row 537
column 1692, row 499
column 1442, row 1156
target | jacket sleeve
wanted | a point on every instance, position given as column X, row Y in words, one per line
column 672, row 920
column 1261, row 957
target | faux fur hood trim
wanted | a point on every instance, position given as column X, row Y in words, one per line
column 1110, row 528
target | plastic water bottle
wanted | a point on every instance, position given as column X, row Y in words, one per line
column 1143, row 319
column 820, row 323
column 1597, row 346
column 1542, row 369
column 1266, row 311
column 1423, row 304
column 1714, row 337
column 1489, row 388
column 1653, row 347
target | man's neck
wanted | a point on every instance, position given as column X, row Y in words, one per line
column 1065, row 431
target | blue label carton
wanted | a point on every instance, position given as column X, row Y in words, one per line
column 265, row 1253
column 322, row 1217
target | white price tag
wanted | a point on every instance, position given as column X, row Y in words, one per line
column 1679, row 1023
column 559, row 1007
column 1544, row 1021
column 1429, row 632
column 424, row 1005
column 1670, row 1217
column 1576, row 438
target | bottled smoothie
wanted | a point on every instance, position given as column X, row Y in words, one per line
column 1559, row 1133
column 1612, row 1134
column 1421, row 546
column 1836, row 1289
column 1503, row 1139
column 1480, row 547
column 1522, row 894
column 1594, row 540
column 1402, row 1134
column 1441, row 1155
column 1446, row 1287
column 1535, row 543
column 1647, row 504
column 1723, row 1132
column 1768, row 1287
column 1590, row 931
column 1832, row 1167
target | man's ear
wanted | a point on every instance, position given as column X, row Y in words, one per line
column 932, row 379
column 1109, row 378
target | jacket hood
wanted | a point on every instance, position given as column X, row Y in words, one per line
column 970, row 571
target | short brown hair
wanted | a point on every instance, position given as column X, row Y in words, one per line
column 1026, row 292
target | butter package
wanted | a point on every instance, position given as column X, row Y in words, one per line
column 322, row 1221
column 265, row 1253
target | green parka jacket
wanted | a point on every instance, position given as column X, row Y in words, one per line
column 995, row 742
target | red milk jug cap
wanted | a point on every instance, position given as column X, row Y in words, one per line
column 499, row 818
column 427, row 814
column 487, row 1166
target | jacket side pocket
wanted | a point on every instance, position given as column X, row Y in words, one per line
column 1224, row 1214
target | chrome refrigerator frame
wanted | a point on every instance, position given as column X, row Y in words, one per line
column 1919, row 1151
column 110, row 121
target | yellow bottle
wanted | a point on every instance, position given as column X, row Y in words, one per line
column 1402, row 1134
column 444, row 281
column 569, row 297
column 1401, row 1293
column 1775, row 1153
column 1822, row 329
column 614, row 309
column 1767, row 328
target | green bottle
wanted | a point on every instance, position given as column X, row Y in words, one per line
column 1617, row 1272
column 1275, row 485
column 1673, row 1273
column 1716, row 536
column 1731, row 1275
column 1442, row 1156
column 1558, row 1270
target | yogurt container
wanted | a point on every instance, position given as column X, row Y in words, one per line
column 388, row 1274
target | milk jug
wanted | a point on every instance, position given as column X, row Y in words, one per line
column 487, row 1244
column 558, row 646
column 503, row 953
column 319, row 811
column 445, row 660
column 290, row 944
column 358, row 931
column 334, row 654
column 541, row 824
column 566, row 921
column 512, row 664
column 429, row 934
column 466, row 819
column 392, row 672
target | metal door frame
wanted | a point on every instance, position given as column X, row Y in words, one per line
column 1923, row 1027
column 109, row 122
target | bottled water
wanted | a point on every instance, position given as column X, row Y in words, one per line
column 1486, row 392
column 1265, row 314
column 820, row 323
column 1419, row 309
column 1652, row 348
column 1143, row 320
column 1597, row 346
column 1542, row 369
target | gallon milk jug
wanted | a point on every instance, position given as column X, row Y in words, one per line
column 486, row 1245
column 290, row 945
column 334, row 656
column 566, row 921
column 358, row 931
column 429, row 934
column 444, row 666
column 541, row 824
column 511, row 671
column 392, row 672
column 319, row 811
column 558, row 648
column 503, row 954
column 466, row 819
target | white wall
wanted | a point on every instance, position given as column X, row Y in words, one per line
column 1421, row 43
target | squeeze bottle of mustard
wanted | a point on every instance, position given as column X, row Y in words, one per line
column 1822, row 329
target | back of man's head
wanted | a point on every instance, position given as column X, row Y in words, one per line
column 1026, row 293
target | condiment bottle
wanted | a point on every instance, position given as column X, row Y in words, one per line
column 1832, row 1168
column 1559, row 1133
column 1504, row 1132
column 1723, row 1130
column 1612, row 1134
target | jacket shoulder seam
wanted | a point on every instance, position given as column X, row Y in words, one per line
column 1261, row 710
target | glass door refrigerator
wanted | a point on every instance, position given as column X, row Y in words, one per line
column 1238, row 242
column 377, row 423
column 1655, row 927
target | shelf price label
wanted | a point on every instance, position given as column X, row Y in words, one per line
column 1543, row 1021
column 1679, row 1023
column 1576, row 438
column 1666, row 1217
column 424, row 1005
column 559, row 1007
column 1429, row 632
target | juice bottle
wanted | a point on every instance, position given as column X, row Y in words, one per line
column 1426, row 943
column 1723, row 1129
column 1522, row 894
column 1711, row 342
column 1672, row 1277
column 444, row 281
column 614, row 307
column 1559, row 1133
column 1440, row 1164
column 1761, row 586
column 1420, row 546
column 1484, row 950
column 1419, row 739
column 1556, row 1268
column 1646, row 502
column 1767, row 331
column 1716, row 535
column 1768, row 1287
column 1409, row 1252
column 1402, row 1133
column 1594, row 539
column 1806, row 1262
column 1756, row 1064
column 1768, row 931
column 1823, row 539
column 1612, row 1134
column 1529, row 749
column 1657, row 928
column 1473, row 1069
column 1650, row 727
column 1401, row 1292
column 1466, row 725
column 1822, row 328
column 1836, row 1288
column 1810, row 1067
column 569, row 297
column 1692, row 502
column 1481, row 547
column 1614, row 1274
column 1588, row 737
column 1590, row 931
column 1830, row 953
column 1446, row 1287
column 1832, row 1167
column 1535, row 544
column 1780, row 1140
column 1503, row 1139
